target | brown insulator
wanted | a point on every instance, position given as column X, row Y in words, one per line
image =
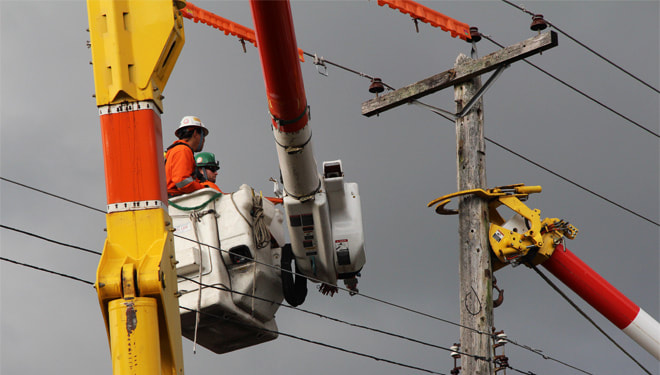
column 376, row 86
column 538, row 23
column 475, row 35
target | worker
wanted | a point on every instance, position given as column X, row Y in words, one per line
column 208, row 168
column 180, row 169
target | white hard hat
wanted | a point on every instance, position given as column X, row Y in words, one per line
column 191, row 122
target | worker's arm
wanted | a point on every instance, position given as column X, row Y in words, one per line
column 180, row 170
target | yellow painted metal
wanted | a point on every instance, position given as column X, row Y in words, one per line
column 135, row 45
column 134, row 336
column 517, row 190
column 138, row 261
column 541, row 238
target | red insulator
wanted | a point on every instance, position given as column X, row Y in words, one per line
column 538, row 23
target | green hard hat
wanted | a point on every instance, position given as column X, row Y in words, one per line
column 207, row 160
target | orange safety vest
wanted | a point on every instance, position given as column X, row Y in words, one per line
column 180, row 170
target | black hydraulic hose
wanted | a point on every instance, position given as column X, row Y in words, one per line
column 294, row 291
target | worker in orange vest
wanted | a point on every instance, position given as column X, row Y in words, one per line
column 180, row 168
column 208, row 167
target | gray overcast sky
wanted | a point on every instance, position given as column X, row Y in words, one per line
column 402, row 159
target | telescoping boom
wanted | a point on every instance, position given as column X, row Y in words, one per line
column 323, row 212
column 135, row 45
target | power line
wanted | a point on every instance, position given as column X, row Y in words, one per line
column 572, row 182
column 227, row 290
column 321, row 61
column 237, row 322
column 342, row 288
column 334, row 319
column 585, row 46
column 556, row 288
column 51, row 194
column 438, row 112
column 318, row 343
column 547, row 357
column 256, row 297
column 49, row 240
column 306, row 311
column 270, row 265
column 46, row 270
column 578, row 91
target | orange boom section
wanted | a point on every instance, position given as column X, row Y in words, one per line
column 430, row 16
column 133, row 154
column 197, row 14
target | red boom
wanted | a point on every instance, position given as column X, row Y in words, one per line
column 276, row 39
column 605, row 298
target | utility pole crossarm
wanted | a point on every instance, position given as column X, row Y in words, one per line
column 466, row 71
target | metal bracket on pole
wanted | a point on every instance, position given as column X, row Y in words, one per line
column 454, row 116
column 481, row 91
column 442, row 112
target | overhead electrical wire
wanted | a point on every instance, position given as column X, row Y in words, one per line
column 439, row 112
column 319, row 343
column 547, row 357
column 536, row 351
column 51, row 194
column 279, row 268
column 553, row 173
column 579, row 310
column 335, row 319
column 270, row 265
column 49, row 240
column 490, row 39
column 379, row 359
column 248, row 295
column 524, row 10
column 341, row 288
column 46, row 270
column 573, row 182
column 378, row 300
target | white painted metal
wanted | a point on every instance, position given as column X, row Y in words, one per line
column 346, row 219
column 645, row 330
column 297, row 163
column 134, row 206
column 235, row 320
column 326, row 232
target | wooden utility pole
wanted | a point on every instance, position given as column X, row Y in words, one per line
column 476, row 302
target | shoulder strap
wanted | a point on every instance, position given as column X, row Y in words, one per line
column 177, row 143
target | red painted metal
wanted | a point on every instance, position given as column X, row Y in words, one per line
column 592, row 287
column 133, row 156
column 279, row 60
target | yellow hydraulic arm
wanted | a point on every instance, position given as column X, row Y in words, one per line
column 135, row 44
column 532, row 241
